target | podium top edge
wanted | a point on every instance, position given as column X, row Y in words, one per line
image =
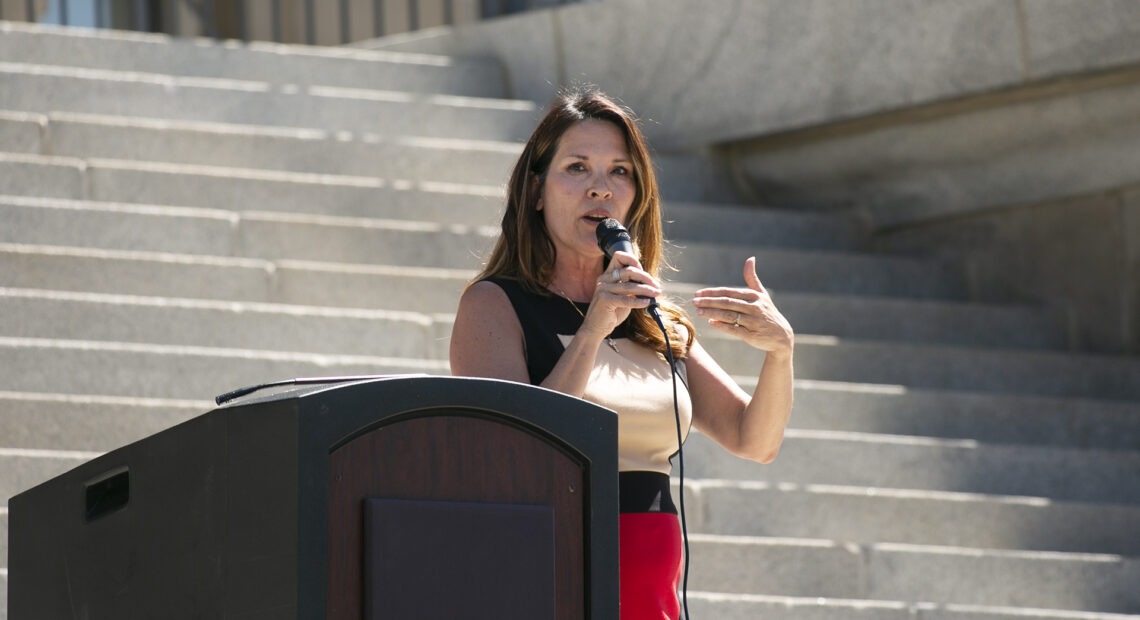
column 472, row 388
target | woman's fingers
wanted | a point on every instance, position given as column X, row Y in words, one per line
column 720, row 304
column 750, row 276
column 748, row 313
column 624, row 276
column 751, row 294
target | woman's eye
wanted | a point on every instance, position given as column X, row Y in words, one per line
column 576, row 167
column 622, row 171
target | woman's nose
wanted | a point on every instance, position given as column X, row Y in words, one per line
column 600, row 190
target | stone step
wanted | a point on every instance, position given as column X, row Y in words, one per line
column 868, row 515
column 212, row 187
column 28, row 87
column 306, row 150
column 901, row 572
column 713, row 264
column 989, row 418
column 775, row 607
column 22, row 132
column 366, row 241
column 36, row 175
column 88, row 422
column 129, row 272
column 927, row 463
column 260, row 234
column 118, row 226
column 913, row 320
column 161, row 274
column 723, row 606
column 296, row 64
column 55, row 366
column 25, row 468
column 33, row 313
column 749, row 224
column 941, row 367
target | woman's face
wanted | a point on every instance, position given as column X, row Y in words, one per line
column 590, row 178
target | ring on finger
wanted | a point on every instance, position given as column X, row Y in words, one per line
column 736, row 321
column 616, row 274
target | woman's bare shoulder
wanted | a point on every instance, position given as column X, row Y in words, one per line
column 485, row 291
column 486, row 339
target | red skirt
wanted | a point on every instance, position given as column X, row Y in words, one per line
column 650, row 547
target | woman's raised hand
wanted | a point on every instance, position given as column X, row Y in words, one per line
column 747, row 313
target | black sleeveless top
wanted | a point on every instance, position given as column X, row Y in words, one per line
column 633, row 380
column 543, row 320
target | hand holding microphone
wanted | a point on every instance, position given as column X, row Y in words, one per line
column 613, row 237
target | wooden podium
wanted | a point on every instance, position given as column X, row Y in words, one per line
column 401, row 497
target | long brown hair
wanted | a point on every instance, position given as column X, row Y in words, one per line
column 525, row 252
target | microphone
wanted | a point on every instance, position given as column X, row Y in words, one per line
column 613, row 237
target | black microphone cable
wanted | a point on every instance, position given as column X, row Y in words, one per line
column 612, row 236
column 656, row 314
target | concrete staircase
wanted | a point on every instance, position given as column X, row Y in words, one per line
column 182, row 217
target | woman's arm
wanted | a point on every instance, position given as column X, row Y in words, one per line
column 749, row 427
column 487, row 339
column 752, row 428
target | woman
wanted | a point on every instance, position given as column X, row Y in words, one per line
column 548, row 310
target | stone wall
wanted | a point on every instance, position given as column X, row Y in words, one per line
column 1035, row 190
column 724, row 70
column 1081, row 254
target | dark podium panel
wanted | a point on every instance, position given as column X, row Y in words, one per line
column 412, row 538
column 400, row 497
